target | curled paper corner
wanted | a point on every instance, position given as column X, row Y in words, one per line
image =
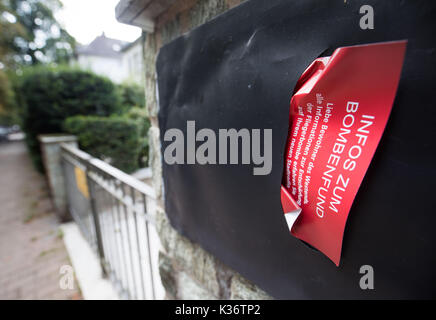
column 290, row 208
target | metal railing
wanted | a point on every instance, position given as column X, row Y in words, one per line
column 113, row 211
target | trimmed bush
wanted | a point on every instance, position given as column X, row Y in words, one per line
column 113, row 139
column 140, row 116
column 8, row 116
column 49, row 96
column 132, row 95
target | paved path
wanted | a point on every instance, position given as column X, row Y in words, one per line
column 31, row 247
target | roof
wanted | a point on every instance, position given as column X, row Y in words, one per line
column 131, row 44
column 104, row 47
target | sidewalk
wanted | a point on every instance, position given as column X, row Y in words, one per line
column 31, row 247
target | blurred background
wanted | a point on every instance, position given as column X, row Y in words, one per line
column 94, row 60
column 66, row 67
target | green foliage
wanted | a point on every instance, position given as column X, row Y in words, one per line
column 5, row 98
column 49, row 96
column 30, row 34
column 113, row 139
column 132, row 95
column 9, row 31
column 140, row 116
column 5, row 90
column 8, row 108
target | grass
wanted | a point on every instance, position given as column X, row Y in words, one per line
column 46, row 252
column 60, row 234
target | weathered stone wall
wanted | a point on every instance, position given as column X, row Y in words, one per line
column 187, row 271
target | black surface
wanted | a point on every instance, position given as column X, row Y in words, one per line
column 238, row 71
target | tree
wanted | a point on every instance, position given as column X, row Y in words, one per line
column 30, row 34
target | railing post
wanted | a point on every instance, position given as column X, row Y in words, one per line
column 51, row 154
column 96, row 222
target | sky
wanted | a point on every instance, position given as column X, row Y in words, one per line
column 87, row 19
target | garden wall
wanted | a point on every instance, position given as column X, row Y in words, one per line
column 187, row 271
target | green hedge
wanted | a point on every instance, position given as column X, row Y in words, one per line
column 140, row 116
column 48, row 96
column 132, row 95
column 113, row 139
column 7, row 112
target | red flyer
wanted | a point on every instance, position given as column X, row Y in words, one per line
column 338, row 114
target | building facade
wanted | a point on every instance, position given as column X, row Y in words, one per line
column 118, row 60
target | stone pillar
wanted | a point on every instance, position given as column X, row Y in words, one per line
column 51, row 155
column 186, row 270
